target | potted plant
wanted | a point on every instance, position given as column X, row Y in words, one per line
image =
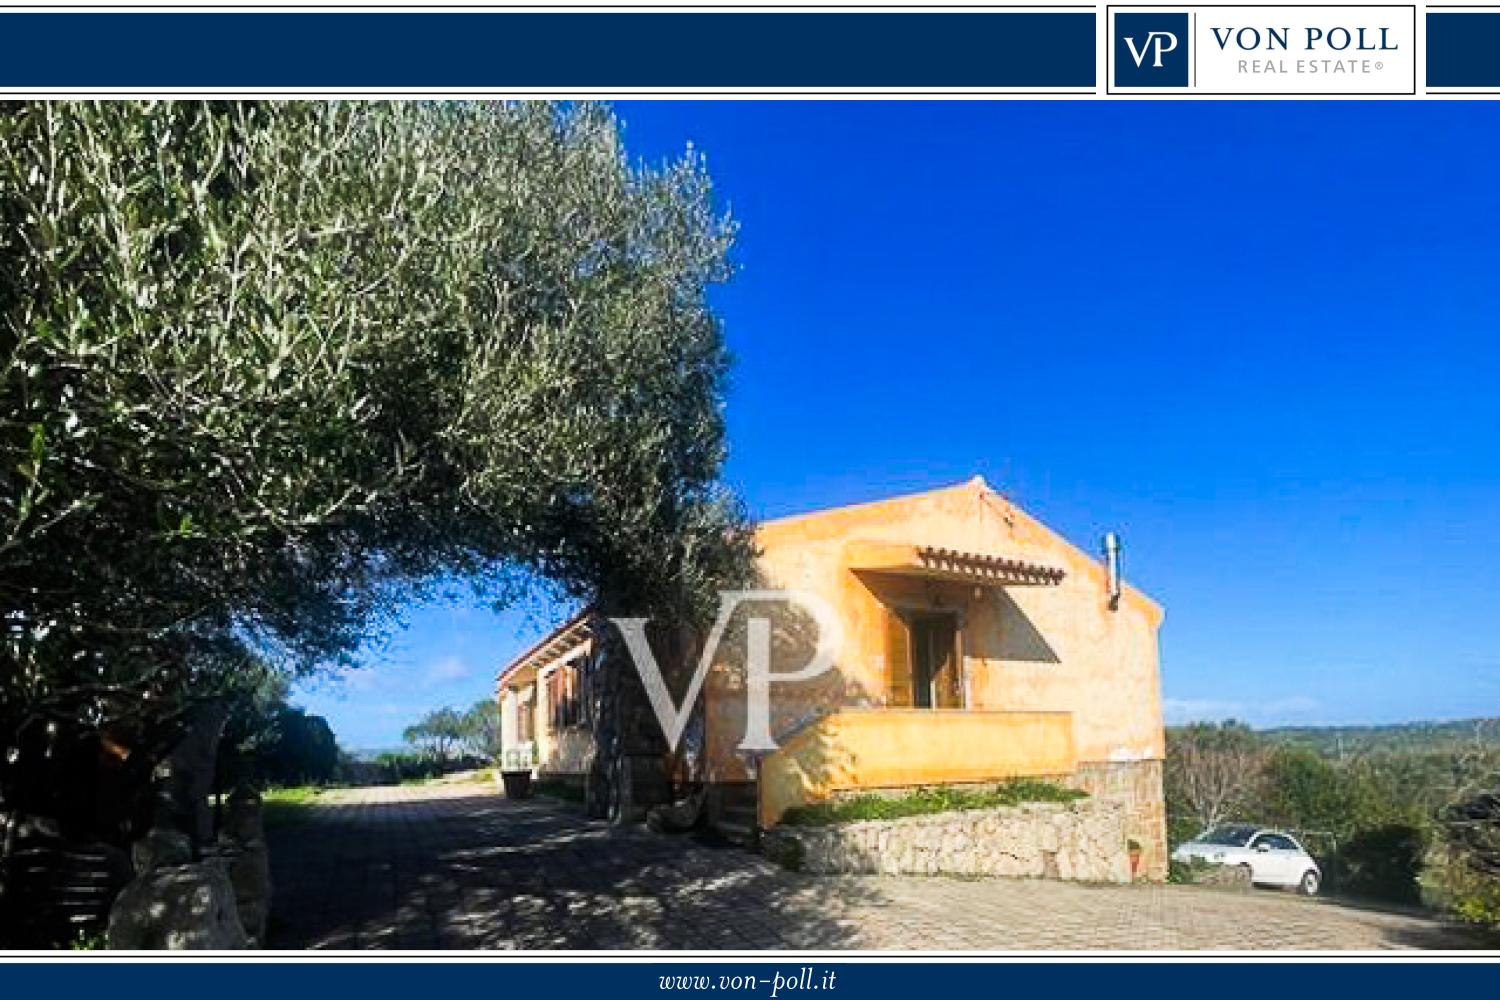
column 1133, row 846
column 515, row 772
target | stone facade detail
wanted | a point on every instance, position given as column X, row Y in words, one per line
column 1081, row 841
column 1136, row 785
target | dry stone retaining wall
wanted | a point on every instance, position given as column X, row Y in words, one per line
column 1080, row 841
column 1137, row 786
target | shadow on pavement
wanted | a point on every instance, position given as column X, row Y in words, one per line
column 482, row 871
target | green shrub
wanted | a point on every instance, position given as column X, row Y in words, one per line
column 1186, row 872
column 88, row 941
column 404, row 768
column 566, row 791
column 788, row 852
column 1382, row 863
column 925, row 801
column 1480, row 906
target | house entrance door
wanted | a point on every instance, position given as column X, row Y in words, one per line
column 937, row 679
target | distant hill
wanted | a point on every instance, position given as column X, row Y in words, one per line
column 371, row 753
column 1403, row 737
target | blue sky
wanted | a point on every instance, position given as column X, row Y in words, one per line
column 1258, row 340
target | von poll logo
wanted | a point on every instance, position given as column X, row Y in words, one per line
column 758, row 674
column 1151, row 50
column 1264, row 49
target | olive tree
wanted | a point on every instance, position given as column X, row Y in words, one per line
column 481, row 729
column 439, row 734
column 269, row 366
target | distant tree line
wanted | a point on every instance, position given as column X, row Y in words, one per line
column 446, row 734
column 1397, row 817
column 440, row 742
column 271, row 743
column 268, row 741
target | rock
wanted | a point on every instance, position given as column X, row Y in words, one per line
column 1222, row 876
column 676, row 817
column 186, row 907
column 249, row 871
column 243, row 822
column 161, row 848
column 183, row 782
column 242, row 846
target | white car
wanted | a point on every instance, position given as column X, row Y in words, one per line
column 1273, row 857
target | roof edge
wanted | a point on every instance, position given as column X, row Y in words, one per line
column 521, row 659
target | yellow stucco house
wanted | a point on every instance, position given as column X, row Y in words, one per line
column 978, row 645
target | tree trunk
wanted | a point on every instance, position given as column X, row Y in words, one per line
column 627, row 775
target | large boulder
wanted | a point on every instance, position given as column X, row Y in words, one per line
column 186, row 907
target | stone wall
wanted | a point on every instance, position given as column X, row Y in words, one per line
column 1080, row 841
column 1136, row 785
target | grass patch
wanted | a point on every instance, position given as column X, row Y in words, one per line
column 471, row 776
column 88, row 941
column 287, row 806
column 926, row 801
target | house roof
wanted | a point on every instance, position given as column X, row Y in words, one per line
column 852, row 520
column 564, row 639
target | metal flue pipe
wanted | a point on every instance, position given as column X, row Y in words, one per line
column 1112, row 566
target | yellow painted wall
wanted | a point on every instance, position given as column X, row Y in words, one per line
column 879, row 748
column 558, row 751
column 1031, row 649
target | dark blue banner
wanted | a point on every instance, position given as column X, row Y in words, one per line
column 752, row 978
column 1463, row 49
column 564, row 50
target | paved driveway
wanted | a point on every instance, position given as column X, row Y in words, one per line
column 461, row 867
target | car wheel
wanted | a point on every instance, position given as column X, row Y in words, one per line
column 1309, row 884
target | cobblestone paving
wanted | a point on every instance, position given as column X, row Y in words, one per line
column 461, row 867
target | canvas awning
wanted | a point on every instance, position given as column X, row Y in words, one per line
column 980, row 568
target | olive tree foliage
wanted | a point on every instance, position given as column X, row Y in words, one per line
column 439, row 734
column 482, row 735
column 268, row 365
